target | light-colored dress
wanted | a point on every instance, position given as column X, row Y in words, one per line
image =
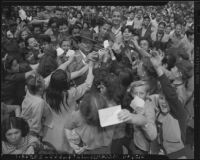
column 54, row 123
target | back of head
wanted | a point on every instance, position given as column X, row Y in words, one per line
column 89, row 107
column 186, row 68
column 35, row 83
column 59, row 82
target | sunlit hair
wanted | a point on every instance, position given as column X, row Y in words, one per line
column 140, row 83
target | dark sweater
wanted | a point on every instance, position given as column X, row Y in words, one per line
column 176, row 108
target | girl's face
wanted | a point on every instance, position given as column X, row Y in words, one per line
column 13, row 136
column 127, row 35
column 24, row 35
column 66, row 45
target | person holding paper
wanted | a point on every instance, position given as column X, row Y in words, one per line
column 143, row 117
column 84, row 133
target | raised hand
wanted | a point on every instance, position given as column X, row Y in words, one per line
column 125, row 115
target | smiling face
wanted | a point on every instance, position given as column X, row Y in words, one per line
column 116, row 18
column 13, row 136
column 33, row 44
column 163, row 104
column 127, row 35
column 66, row 45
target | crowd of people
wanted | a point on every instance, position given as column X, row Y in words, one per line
column 61, row 64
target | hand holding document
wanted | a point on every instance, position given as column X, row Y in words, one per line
column 109, row 116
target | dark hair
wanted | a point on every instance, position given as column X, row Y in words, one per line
column 163, row 23
column 89, row 107
column 114, row 90
column 148, row 67
column 59, row 82
column 52, row 20
column 125, row 76
column 48, row 63
column 14, row 122
column 170, row 60
column 78, row 12
column 129, row 27
column 62, row 22
column 189, row 32
column 103, row 21
column 34, row 83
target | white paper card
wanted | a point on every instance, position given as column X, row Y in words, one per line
column 106, row 44
column 70, row 53
column 22, row 14
column 59, row 51
column 137, row 102
column 109, row 116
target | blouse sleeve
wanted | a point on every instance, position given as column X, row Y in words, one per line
column 78, row 92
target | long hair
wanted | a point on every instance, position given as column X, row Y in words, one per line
column 89, row 106
column 114, row 89
column 54, row 95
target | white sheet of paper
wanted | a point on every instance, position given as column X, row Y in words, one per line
column 59, row 51
column 137, row 102
column 109, row 116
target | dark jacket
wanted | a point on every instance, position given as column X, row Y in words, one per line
column 11, row 84
column 176, row 108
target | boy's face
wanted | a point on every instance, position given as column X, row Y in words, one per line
column 116, row 18
column 163, row 104
column 140, row 91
